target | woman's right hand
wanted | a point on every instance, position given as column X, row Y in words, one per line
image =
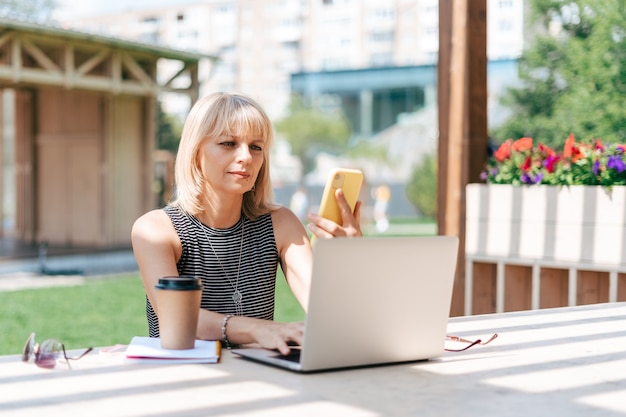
column 326, row 229
column 268, row 334
column 241, row 330
column 280, row 336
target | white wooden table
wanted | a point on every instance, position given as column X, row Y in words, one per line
column 558, row 362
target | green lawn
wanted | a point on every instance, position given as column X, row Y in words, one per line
column 106, row 311
column 101, row 312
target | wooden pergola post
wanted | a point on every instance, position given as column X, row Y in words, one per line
column 462, row 109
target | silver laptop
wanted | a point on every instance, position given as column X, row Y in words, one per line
column 373, row 301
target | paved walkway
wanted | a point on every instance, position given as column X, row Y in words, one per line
column 35, row 272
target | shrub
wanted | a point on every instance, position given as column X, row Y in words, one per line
column 421, row 190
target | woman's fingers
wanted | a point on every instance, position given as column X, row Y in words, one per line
column 280, row 336
column 351, row 227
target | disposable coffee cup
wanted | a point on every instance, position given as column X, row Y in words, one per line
column 178, row 307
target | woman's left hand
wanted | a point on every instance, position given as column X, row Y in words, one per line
column 326, row 229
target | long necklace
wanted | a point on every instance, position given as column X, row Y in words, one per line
column 237, row 297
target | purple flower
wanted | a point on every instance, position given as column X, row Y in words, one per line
column 527, row 178
column 616, row 163
column 596, row 167
column 550, row 163
column 483, row 176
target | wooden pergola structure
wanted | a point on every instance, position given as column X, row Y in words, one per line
column 462, row 102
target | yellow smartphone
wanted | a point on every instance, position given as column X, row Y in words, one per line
column 350, row 181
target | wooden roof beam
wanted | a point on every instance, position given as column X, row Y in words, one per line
column 39, row 56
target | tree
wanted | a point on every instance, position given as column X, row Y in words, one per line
column 310, row 130
column 28, row 10
column 574, row 78
column 421, row 190
column 169, row 129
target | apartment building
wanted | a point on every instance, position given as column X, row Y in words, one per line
column 261, row 43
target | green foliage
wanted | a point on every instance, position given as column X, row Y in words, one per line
column 28, row 10
column 421, row 190
column 574, row 82
column 368, row 150
column 310, row 130
column 169, row 129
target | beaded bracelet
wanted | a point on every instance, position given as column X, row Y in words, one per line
column 224, row 324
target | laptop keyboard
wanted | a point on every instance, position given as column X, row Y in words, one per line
column 293, row 356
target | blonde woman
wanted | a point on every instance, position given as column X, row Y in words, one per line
column 223, row 227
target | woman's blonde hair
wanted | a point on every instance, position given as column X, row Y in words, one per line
column 222, row 114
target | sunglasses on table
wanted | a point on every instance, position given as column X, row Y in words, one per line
column 47, row 352
column 469, row 343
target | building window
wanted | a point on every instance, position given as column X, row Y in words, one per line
column 152, row 37
column 224, row 8
column 505, row 25
column 180, row 17
column 381, row 59
column 382, row 37
column 327, row 2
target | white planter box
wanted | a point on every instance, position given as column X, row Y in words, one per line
column 573, row 228
column 577, row 224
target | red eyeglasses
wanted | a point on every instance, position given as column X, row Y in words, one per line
column 470, row 343
column 46, row 354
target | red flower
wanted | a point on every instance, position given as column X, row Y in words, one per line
column 523, row 144
column 528, row 163
column 504, row 151
column 550, row 163
column 599, row 146
column 577, row 153
column 569, row 146
column 546, row 149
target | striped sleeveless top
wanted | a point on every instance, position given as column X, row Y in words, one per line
column 257, row 274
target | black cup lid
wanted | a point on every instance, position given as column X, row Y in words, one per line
column 179, row 283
